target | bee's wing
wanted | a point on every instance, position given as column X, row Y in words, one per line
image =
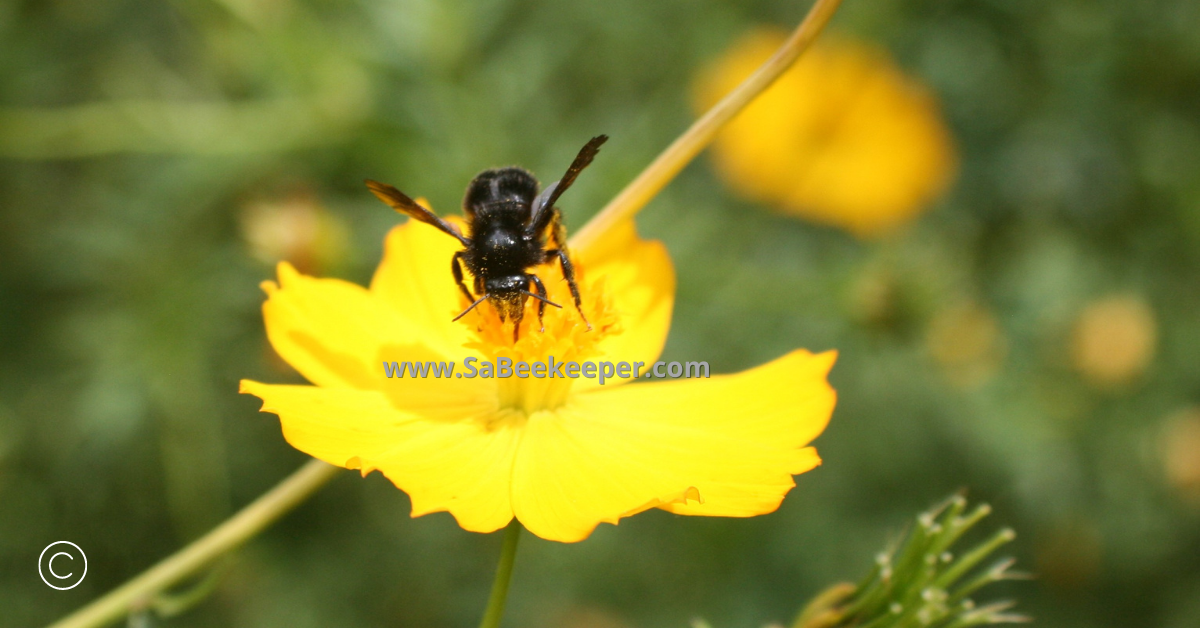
column 400, row 202
column 544, row 201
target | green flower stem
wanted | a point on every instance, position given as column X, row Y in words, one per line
column 508, row 556
column 680, row 153
column 167, row 605
column 141, row 591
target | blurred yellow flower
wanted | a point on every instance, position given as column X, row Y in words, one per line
column 295, row 228
column 1114, row 340
column 842, row 138
column 561, row 455
column 1180, row 444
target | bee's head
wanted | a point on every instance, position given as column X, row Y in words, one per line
column 507, row 294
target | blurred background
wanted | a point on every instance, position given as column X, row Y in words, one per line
column 1017, row 316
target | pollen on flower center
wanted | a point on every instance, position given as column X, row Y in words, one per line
column 566, row 337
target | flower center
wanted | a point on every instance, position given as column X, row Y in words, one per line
column 566, row 338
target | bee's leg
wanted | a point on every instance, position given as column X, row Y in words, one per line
column 517, row 315
column 569, row 274
column 456, row 270
column 542, row 300
column 558, row 232
column 558, row 235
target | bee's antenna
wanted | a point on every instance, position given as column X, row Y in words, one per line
column 471, row 307
column 536, row 296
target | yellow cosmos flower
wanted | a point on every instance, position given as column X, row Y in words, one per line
column 842, row 138
column 561, row 455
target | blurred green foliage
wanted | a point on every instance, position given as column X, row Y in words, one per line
column 136, row 138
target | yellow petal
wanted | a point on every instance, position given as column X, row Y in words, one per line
column 639, row 276
column 332, row 331
column 414, row 278
column 725, row 446
column 460, row 465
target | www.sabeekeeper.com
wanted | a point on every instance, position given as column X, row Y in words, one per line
column 551, row 369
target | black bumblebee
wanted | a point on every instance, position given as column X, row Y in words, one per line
column 508, row 223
